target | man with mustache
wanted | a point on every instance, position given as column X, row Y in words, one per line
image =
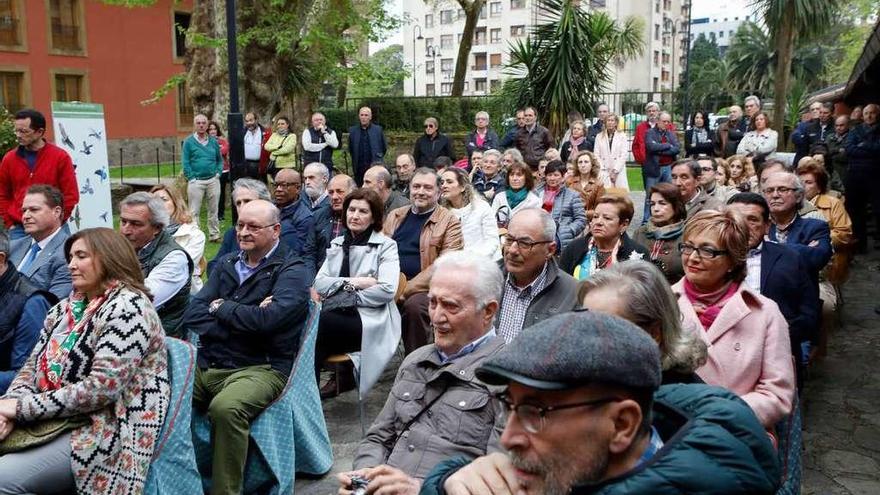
column 436, row 408
column 423, row 231
column 585, row 414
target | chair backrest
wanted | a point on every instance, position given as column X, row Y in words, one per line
column 401, row 286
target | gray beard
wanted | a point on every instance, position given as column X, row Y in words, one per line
column 556, row 473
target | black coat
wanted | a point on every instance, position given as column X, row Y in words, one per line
column 241, row 333
column 574, row 253
column 427, row 149
column 693, row 149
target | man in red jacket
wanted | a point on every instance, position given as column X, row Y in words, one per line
column 34, row 161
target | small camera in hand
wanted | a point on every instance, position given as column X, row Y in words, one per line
column 359, row 485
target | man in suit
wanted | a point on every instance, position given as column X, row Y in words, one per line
column 661, row 149
column 40, row 255
column 775, row 271
column 366, row 144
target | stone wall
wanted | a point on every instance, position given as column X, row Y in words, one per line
column 137, row 151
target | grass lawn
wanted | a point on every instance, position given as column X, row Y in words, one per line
column 634, row 176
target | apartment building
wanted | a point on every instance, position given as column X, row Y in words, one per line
column 432, row 40
column 720, row 21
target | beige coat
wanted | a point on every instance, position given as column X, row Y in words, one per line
column 612, row 156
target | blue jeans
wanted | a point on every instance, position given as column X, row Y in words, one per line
column 665, row 176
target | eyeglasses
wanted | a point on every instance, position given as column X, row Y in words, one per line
column 703, row 252
column 429, row 126
column 524, row 244
column 24, row 132
column 287, row 184
column 533, row 418
column 781, row 190
column 240, row 227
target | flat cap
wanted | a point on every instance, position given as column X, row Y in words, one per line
column 574, row 349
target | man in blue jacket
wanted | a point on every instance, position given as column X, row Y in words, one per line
column 661, row 149
column 587, row 420
column 366, row 144
column 249, row 317
column 862, row 184
column 777, row 272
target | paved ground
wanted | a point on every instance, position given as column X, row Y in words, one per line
column 841, row 403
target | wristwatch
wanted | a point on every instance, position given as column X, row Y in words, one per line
column 214, row 306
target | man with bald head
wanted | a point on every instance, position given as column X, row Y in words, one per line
column 329, row 223
column 379, row 179
column 366, row 144
column 862, row 181
column 730, row 133
column 246, row 350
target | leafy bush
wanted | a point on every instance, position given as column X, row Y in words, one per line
column 7, row 131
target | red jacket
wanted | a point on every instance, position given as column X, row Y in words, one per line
column 54, row 167
column 638, row 146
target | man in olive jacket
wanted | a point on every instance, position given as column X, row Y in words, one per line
column 437, row 408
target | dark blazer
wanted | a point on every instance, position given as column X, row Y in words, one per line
column 574, row 253
column 693, row 149
column 490, row 143
column 318, row 240
column 426, row 149
column 378, row 147
column 49, row 270
column 241, row 333
column 784, row 280
column 801, row 233
column 654, row 149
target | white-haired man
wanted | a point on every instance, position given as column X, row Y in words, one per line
column 319, row 141
column 435, row 386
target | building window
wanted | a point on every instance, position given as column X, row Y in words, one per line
column 459, row 14
column 730, row 33
column 657, row 6
column 429, row 21
column 181, row 25
column 656, row 84
column 446, row 17
column 429, row 90
column 495, row 60
column 429, row 67
column 656, row 32
column 666, row 58
column 667, row 4
column 494, row 85
column 517, row 4
column 446, row 65
column 479, row 61
column 495, row 9
column 69, row 87
column 665, row 75
column 480, row 36
column 446, row 42
column 720, row 34
column 656, row 57
column 429, row 42
column 185, row 110
column 66, row 26
column 480, row 85
column 517, row 31
column 495, row 35
column 12, row 91
column 445, row 89
column 11, row 25
column 482, row 12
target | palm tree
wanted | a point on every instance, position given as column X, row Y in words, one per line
column 788, row 20
column 565, row 63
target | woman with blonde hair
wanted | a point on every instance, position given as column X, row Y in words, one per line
column 585, row 180
column 184, row 231
column 479, row 228
column 612, row 150
column 742, row 173
column 97, row 378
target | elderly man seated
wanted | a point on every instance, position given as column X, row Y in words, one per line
column 166, row 266
column 437, row 408
column 247, row 340
column 582, row 417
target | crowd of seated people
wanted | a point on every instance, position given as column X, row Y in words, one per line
column 477, row 268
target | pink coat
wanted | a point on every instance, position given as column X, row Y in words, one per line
column 612, row 156
column 749, row 352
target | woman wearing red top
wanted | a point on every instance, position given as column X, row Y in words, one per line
column 214, row 130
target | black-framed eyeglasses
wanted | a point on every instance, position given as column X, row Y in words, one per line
column 240, row 227
column 703, row 251
column 533, row 418
column 429, row 126
column 524, row 243
column 781, row 190
column 287, row 184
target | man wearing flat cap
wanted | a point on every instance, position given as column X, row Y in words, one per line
column 586, row 414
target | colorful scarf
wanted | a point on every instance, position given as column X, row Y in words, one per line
column 79, row 312
column 708, row 305
column 549, row 198
column 590, row 264
column 514, row 198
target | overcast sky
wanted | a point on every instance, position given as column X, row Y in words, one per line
column 395, row 7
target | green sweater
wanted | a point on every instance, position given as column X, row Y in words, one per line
column 201, row 161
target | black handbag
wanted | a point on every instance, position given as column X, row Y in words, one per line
column 344, row 297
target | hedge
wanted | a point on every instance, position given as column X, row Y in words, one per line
column 408, row 114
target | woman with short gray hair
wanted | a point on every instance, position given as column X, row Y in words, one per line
column 637, row 291
column 482, row 138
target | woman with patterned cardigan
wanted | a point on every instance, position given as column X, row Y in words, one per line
column 101, row 361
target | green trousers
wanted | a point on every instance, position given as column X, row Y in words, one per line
column 233, row 398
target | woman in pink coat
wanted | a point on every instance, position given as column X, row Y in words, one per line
column 612, row 149
column 747, row 336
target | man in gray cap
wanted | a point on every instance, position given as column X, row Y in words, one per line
column 583, row 417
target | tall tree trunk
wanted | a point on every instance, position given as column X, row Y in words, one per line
column 784, row 53
column 472, row 15
column 201, row 62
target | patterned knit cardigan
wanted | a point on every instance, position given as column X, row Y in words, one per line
column 117, row 373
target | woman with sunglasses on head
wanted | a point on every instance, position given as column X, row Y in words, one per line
column 749, row 349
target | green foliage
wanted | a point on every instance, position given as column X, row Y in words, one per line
column 704, row 50
column 408, row 114
column 382, row 74
column 7, row 130
column 169, row 86
column 710, row 86
column 564, row 64
column 796, row 101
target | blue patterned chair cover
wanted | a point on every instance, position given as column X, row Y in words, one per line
column 173, row 469
column 790, row 435
column 289, row 437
